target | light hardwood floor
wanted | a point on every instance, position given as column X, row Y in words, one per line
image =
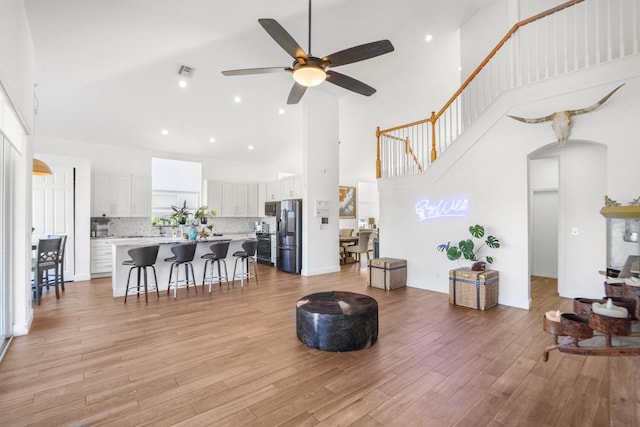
column 232, row 359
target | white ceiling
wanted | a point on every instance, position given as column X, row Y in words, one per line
column 106, row 71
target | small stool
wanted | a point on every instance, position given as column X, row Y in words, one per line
column 183, row 255
column 247, row 255
column 141, row 258
column 218, row 254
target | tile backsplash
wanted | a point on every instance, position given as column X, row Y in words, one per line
column 142, row 226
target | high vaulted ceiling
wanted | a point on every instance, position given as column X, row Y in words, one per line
column 106, row 70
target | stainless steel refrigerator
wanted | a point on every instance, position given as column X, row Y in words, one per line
column 290, row 236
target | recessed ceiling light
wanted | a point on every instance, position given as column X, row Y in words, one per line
column 428, row 38
column 164, row 132
column 281, row 111
column 212, row 140
column 237, row 99
column 182, row 83
column 250, row 147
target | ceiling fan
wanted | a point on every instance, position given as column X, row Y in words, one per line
column 309, row 70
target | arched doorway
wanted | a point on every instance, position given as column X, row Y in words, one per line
column 566, row 190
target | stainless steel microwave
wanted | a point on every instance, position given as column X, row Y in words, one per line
column 271, row 208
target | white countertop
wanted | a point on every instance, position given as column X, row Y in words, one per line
column 154, row 240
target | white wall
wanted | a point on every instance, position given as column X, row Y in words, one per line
column 16, row 78
column 320, row 181
column 17, row 58
column 488, row 165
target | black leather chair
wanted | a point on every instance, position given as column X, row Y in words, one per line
column 183, row 256
column 216, row 256
column 45, row 262
column 141, row 258
column 247, row 256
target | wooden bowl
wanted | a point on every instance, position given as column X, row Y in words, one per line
column 630, row 304
column 613, row 289
column 582, row 306
column 551, row 327
column 575, row 325
column 610, row 325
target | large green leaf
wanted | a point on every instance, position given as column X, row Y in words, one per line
column 453, row 253
column 467, row 246
column 477, row 231
column 492, row 242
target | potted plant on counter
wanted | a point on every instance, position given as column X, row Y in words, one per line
column 202, row 214
column 181, row 214
column 469, row 250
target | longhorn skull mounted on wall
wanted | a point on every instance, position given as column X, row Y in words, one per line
column 561, row 120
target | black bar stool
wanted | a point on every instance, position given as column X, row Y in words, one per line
column 247, row 256
column 218, row 254
column 183, row 255
column 141, row 258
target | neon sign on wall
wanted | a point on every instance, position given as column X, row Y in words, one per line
column 453, row 207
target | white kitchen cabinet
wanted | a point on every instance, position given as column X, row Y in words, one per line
column 240, row 200
column 273, row 191
column 253, row 206
column 262, row 197
column 141, row 196
column 291, row 187
column 101, row 257
column 212, row 195
column 111, row 194
column 228, row 199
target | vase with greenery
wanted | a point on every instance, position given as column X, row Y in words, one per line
column 470, row 250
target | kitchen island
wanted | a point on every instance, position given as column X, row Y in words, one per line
column 122, row 246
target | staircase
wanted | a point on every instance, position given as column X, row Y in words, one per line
column 569, row 38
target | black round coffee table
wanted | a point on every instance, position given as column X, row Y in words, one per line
column 337, row 321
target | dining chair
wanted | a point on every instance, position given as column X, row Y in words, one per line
column 362, row 246
column 47, row 258
column 60, row 266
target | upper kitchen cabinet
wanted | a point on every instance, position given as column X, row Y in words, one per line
column 141, row 196
column 212, row 195
column 111, row 194
column 231, row 199
column 234, row 199
column 273, row 191
column 253, row 204
column 291, row 187
column 121, row 195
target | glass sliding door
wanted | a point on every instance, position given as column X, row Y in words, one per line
column 5, row 217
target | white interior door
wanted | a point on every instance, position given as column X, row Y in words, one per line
column 53, row 210
column 545, row 233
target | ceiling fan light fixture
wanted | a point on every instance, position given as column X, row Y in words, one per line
column 309, row 75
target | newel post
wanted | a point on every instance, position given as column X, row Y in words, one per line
column 434, row 153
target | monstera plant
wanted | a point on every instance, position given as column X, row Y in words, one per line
column 470, row 250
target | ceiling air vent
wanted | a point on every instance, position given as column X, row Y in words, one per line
column 186, row 71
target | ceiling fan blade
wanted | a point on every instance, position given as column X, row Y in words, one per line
column 296, row 93
column 359, row 53
column 349, row 83
column 282, row 37
column 246, row 71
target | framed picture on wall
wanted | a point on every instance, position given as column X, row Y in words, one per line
column 347, row 201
